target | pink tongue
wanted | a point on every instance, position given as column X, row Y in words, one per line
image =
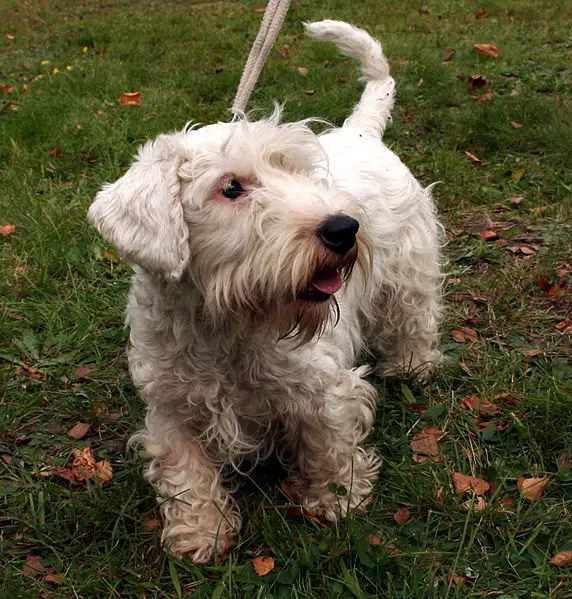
column 327, row 281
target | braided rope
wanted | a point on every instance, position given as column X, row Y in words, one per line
column 272, row 21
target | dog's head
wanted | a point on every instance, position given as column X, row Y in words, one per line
column 246, row 212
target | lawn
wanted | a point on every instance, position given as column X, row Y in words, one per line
column 495, row 131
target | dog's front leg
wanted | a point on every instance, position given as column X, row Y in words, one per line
column 200, row 517
column 325, row 433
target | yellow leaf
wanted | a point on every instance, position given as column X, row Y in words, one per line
column 263, row 565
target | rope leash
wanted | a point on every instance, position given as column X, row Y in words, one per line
column 272, row 21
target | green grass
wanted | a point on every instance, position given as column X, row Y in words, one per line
column 63, row 297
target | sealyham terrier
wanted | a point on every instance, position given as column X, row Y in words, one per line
column 267, row 258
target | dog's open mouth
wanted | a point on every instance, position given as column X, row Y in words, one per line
column 325, row 283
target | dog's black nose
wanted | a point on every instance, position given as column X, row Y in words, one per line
column 338, row 232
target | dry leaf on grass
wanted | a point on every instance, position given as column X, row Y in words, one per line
column 480, row 14
column 487, row 50
column 516, row 125
column 564, row 558
column 390, row 549
column 130, row 99
column 464, row 334
column 448, row 55
column 533, row 488
column 426, row 442
column 467, row 484
column 82, row 372
column 303, row 71
column 56, row 579
column 474, row 159
column 489, row 235
column 402, row 516
column 263, row 565
column 103, row 471
column 150, row 524
column 565, row 326
column 6, row 230
column 477, row 505
column 33, row 566
column 79, row 431
column 480, row 405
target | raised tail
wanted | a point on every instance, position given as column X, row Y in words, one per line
column 373, row 111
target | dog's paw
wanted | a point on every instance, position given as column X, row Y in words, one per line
column 200, row 548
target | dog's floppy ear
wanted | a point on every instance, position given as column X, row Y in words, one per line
column 141, row 214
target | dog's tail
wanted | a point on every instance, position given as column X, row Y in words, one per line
column 372, row 113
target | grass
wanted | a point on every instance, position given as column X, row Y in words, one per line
column 63, row 296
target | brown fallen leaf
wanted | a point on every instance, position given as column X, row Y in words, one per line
column 564, row 558
column 516, row 200
column 130, row 99
column 402, row 516
column 521, row 249
column 477, row 81
column 449, row 55
column 83, row 465
column 565, row 327
column 558, row 292
column 55, row 153
column 564, row 461
column 34, row 566
column 103, row 471
column 477, row 505
column 489, row 235
column 303, row 71
column 507, row 397
column 485, row 97
column 150, row 524
column 474, row 159
column 56, row 579
column 376, row 540
column 533, row 353
column 466, row 484
column 31, row 372
column 6, row 230
column 6, row 89
column 516, row 125
column 426, row 442
column 487, row 50
column 79, row 431
column 533, row 488
column 480, row 14
column 465, row 334
column 480, row 405
column 456, row 580
column 82, row 372
column 263, row 565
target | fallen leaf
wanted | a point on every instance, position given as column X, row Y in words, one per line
column 533, row 488
column 480, row 405
column 480, row 14
column 130, row 99
column 565, row 326
column 521, row 249
column 342, row 78
column 10, row 36
column 79, row 431
column 6, row 230
column 426, row 442
column 103, row 471
column 516, row 200
column 475, row 160
column 82, row 372
column 150, row 524
column 56, row 579
column 309, row 92
column 465, row 334
column 564, row 461
column 516, row 125
column 477, row 81
column 55, row 153
column 533, row 353
column 6, row 89
column 485, row 97
column 402, row 516
column 456, row 580
column 10, row 105
column 448, row 55
column 466, row 484
column 390, row 549
column 285, row 52
column 263, row 565
column 507, row 397
column 420, row 82
column 564, row 558
column 33, row 566
column 487, row 50
column 83, row 466
column 477, row 505
column 518, row 174
column 421, row 459
column 557, row 293
column 303, row 71
column 31, row 372
column 489, row 235
column 261, row 9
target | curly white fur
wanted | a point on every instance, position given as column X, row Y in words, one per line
column 229, row 359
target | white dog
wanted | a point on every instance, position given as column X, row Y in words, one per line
column 266, row 259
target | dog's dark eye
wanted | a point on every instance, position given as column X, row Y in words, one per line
column 233, row 190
